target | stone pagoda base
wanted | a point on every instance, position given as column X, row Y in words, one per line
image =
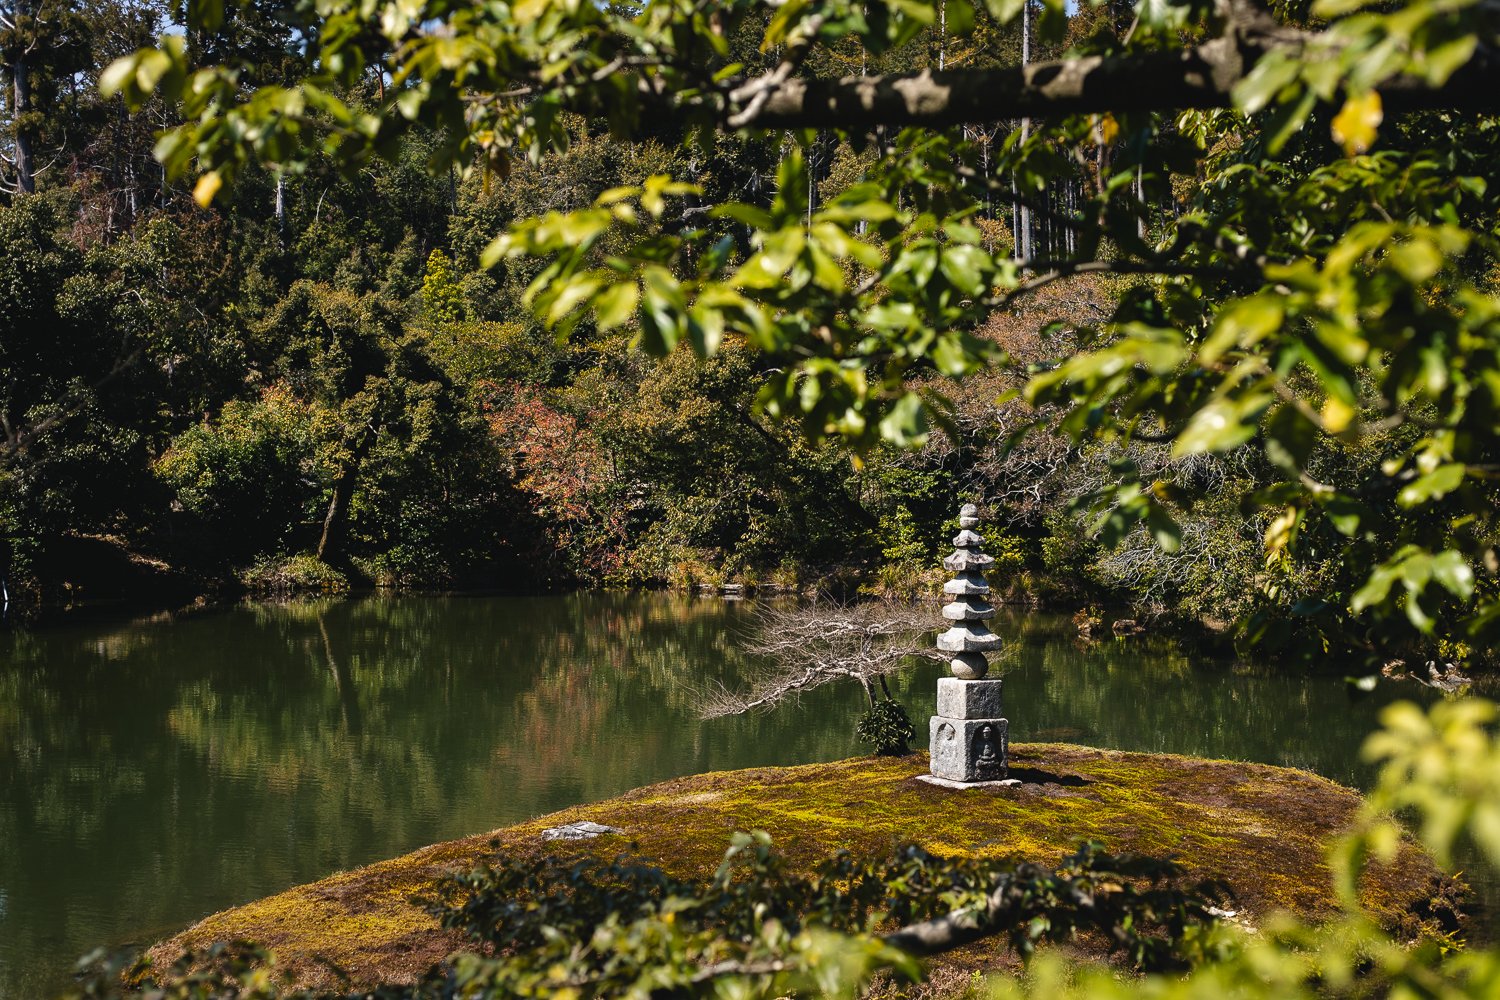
column 969, row 740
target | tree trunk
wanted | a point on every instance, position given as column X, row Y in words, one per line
column 1140, row 196
column 20, row 108
column 1023, row 235
column 942, row 36
column 331, row 543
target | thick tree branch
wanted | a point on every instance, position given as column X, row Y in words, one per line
column 1200, row 77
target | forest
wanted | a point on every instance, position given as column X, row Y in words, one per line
column 315, row 383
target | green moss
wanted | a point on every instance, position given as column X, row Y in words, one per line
column 1263, row 830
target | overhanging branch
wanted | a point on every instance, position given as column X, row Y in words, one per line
column 1203, row 76
column 1198, row 78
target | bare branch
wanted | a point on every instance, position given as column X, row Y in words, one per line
column 807, row 646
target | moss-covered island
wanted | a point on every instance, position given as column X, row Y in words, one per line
column 1261, row 829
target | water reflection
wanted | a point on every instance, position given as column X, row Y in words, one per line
column 155, row 772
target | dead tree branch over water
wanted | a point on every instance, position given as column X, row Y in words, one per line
column 804, row 647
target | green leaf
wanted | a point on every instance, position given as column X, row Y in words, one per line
column 616, row 304
column 1345, row 514
column 951, row 356
column 905, row 425
column 205, row 15
column 409, row 102
column 1453, row 574
column 1377, row 587
column 1271, row 74
column 1289, row 439
column 497, row 249
column 705, row 330
column 959, row 15
column 577, row 290
column 745, row 215
column 1222, row 425
column 1330, row 9
column 1289, row 119
column 117, row 75
column 1433, row 486
column 964, row 267
column 1004, row 11
column 1243, row 324
column 1165, row 530
column 662, row 311
column 783, row 22
column 1440, row 62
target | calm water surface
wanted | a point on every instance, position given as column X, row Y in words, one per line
column 155, row 772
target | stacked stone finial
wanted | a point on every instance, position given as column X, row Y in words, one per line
column 969, row 738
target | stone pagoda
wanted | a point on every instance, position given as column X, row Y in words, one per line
column 969, row 738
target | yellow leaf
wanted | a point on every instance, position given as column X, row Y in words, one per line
column 1337, row 415
column 1279, row 534
column 1354, row 127
column 208, row 185
column 1106, row 130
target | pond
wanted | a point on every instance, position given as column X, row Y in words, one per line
column 156, row 771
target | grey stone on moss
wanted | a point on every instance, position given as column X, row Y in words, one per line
column 582, row 830
column 962, row 751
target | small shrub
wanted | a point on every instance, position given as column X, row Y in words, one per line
column 887, row 727
column 1088, row 621
column 283, row 576
column 908, row 581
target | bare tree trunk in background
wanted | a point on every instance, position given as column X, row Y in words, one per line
column 864, row 68
column 1140, row 196
column 1023, row 235
column 812, row 177
column 20, row 107
column 942, row 36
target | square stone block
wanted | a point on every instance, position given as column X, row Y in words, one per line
column 961, row 699
column 969, row 749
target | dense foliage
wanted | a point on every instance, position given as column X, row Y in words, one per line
column 1245, row 372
